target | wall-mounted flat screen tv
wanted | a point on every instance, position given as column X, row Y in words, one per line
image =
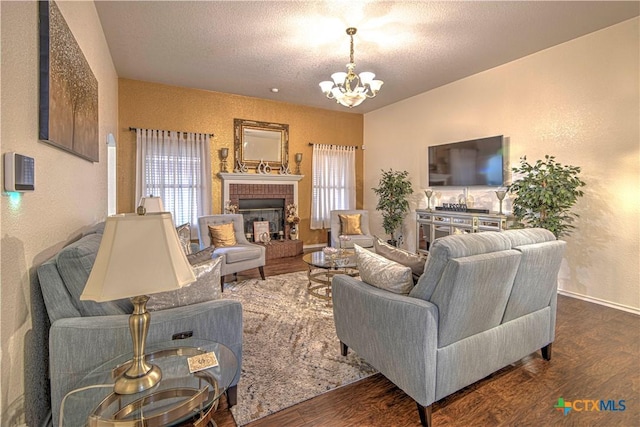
column 477, row 162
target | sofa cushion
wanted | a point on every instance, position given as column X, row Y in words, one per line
column 414, row 261
column 95, row 229
column 205, row 288
column 383, row 273
column 537, row 279
column 528, row 236
column 222, row 235
column 451, row 247
column 472, row 294
column 240, row 253
column 74, row 264
column 184, row 235
column 201, row 256
column 350, row 224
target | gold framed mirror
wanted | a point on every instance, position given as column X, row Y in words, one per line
column 261, row 141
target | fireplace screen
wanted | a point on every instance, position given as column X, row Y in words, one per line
column 267, row 210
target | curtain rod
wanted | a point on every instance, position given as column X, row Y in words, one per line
column 334, row 145
column 132, row 129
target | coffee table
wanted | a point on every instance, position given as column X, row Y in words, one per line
column 323, row 267
column 180, row 398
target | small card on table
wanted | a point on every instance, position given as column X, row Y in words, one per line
column 202, row 361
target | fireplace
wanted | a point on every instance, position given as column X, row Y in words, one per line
column 270, row 210
column 264, row 196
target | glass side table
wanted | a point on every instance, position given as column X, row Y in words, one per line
column 180, row 398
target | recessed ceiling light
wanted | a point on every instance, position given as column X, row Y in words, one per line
column 275, row 90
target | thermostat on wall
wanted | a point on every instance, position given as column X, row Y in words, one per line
column 19, row 172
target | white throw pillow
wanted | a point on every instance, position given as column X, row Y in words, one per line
column 383, row 273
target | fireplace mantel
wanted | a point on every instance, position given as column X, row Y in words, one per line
column 258, row 179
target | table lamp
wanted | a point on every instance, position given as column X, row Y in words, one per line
column 150, row 204
column 138, row 255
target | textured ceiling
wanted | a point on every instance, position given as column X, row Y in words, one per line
column 249, row 47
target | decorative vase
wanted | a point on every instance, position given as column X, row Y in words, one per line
column 293, row 232
column 501, row 194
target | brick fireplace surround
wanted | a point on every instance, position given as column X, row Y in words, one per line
column 257, row 186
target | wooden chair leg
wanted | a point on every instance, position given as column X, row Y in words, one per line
column 261, row 268
column 221, row 283
column 343, row 348
column 232, row 395
column 425, row 415
column 546, row 351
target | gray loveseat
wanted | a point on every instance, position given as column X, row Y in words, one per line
column 484, row 301
column 85, row 334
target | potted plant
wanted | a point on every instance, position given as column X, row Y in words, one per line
column 393, row 191
column 545, row 193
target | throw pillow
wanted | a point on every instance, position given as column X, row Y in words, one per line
column 383, row 273
column 74, row 264
column 205, row 288
column 201, row 256
column 414, row 261
column 350, row 224
column 184, row 234
column 222, row 235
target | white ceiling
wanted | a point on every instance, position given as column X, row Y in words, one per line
column 249, row 47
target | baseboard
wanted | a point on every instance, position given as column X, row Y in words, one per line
column 600, row 302
column 310, row 248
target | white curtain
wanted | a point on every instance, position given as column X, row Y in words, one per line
column 334, row 182
column 175, row 166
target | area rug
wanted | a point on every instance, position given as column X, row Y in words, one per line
column 290, row 349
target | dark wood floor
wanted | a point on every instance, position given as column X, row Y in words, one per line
column 596, row 356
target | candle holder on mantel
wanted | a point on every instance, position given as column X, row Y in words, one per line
column 501, row 194
column 298, row 161
column 224, row 154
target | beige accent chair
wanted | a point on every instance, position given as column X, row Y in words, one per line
column 243, row 256
column 365, row 239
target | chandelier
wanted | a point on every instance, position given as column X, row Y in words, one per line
column 348, row 88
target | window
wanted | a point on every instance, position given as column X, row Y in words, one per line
column 175, row 166
column 334, row 182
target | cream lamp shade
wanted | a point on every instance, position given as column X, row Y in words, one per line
column 138, row 255
column 151, row 204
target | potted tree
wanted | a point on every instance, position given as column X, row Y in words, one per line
column 393, row 191
column 545, row 193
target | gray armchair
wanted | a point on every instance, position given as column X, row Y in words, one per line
column 365, row 239
column 243, row 256
column 484, row 301
column 85, row 334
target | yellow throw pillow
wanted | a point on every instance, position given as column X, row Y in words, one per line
column 350, row 224
column 222, row 235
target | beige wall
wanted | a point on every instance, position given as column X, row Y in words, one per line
column 578, row 101
column 71, row 193
column 156, row 106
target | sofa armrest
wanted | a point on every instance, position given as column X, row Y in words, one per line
column 78, row 345
column 396, row 334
